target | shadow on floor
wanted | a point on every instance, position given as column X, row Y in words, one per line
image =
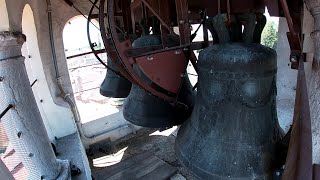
column 146, row 144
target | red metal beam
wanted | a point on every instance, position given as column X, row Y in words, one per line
column 158, row 16
column 299, row 159
column 316, row 172
column 183, row 21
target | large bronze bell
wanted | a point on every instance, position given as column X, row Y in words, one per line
column 146, row 110
column 234, row 127
column 113, row 85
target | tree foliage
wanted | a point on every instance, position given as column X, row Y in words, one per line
column 270, row 35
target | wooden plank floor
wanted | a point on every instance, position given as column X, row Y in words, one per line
column 144, row 166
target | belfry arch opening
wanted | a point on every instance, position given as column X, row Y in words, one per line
column 86, row 72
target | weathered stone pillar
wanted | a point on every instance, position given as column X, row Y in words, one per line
column 4, row 172
column 23, row 123
column 314, row 7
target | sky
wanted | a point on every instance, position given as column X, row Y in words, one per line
column 75, row 32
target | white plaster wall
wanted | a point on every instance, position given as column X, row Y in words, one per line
column 53, row 115
column 59, row 120
column 286, row 78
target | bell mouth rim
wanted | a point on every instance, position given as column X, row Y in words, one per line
column 202, row 174
column 111, row 94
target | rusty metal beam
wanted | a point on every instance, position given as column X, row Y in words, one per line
column 138, row 52
column 157, row 15
column 299, row 159
column 164, row 12
column 236, row 6
column 116, row 49
column 316, row 172
column 183, row 21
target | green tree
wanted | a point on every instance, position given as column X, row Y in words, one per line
column 269, row 35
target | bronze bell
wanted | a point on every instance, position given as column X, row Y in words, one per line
column 233, row 129
column 113, row 85
column 146, row 110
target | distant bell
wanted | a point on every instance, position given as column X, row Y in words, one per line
column 143, row 109
column 233, row 128
column 114, row 86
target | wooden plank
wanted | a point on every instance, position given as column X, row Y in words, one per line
column 112, row 170
column 139, row 170
column 163, row 172
column 149, row 168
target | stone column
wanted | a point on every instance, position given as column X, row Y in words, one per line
column 314, row 7
column 23, row 123
column 4, row 172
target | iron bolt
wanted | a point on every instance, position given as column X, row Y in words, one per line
column 293, row 59
column 149, row 58
column 31, row 155
column 189, row 12
column 177, row 52
column 182, row 21
column 19, row 134
column 1, row 78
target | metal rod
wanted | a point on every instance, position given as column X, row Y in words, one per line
column 288, row 16
column 192, row 74
column 34, row 82
column 79, row 67
column 86, row 53
column 229, row 11
column 158, row 16
column 6, row 110
column 85, row 17
column 95, row 4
